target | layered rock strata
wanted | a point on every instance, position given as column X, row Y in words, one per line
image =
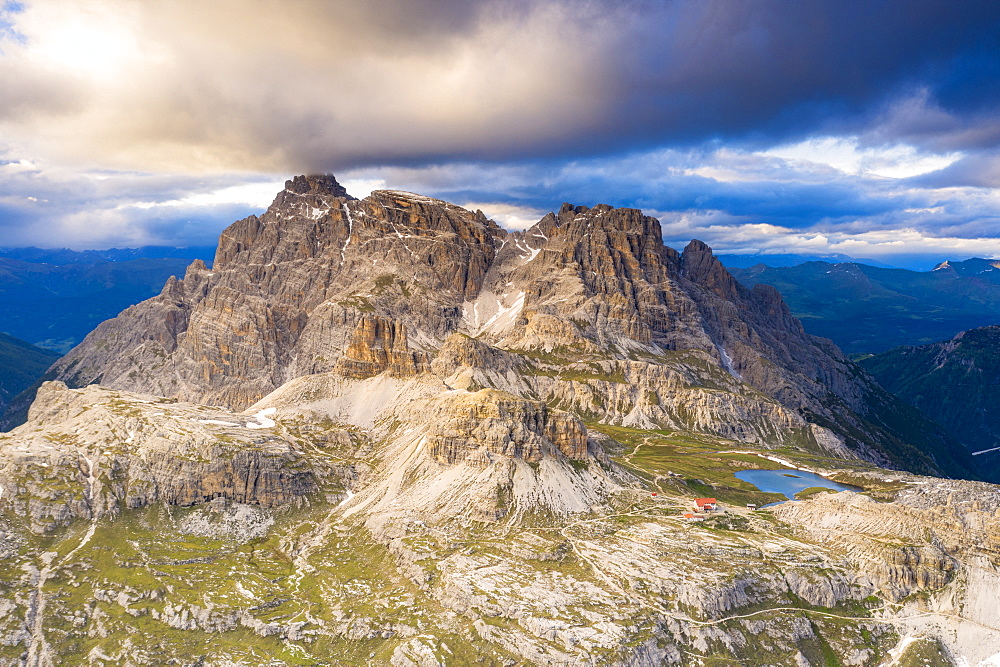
column 487, row 424
column 378, row 345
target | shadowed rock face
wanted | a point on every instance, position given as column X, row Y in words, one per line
column 324, row 282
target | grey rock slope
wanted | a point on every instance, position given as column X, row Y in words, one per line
column 395, row 521
column 611, row 323
column 21, row 363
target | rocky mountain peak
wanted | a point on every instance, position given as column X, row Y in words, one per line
column 570, row 208
column 700, row 265
column 321, row 184
column 373, row 288
column 974, row 266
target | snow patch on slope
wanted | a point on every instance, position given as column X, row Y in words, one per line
column 490, row 313
column 727, row 362
column 263, row 419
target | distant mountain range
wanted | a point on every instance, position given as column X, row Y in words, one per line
column 955, row 382
column 789, row 259
column 63, row 256
column 53, row 298
column 868, row 309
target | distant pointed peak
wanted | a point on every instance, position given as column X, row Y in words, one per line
column 316, row 184
column 943, row 265
column 699, row 247
column 700, row 265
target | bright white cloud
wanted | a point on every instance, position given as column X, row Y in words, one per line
column 361, row 187
column 94, row 40
column 847, row 155
column 254, row 195
column 508, row 216
column 17, row 167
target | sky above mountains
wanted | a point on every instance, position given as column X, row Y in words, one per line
column 865, row 128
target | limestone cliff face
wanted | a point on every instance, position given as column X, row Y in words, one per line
column 94, row 452
column 378, row 345
column 482, row 426
column 587, row 310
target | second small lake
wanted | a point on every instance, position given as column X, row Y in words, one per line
column 789, row 482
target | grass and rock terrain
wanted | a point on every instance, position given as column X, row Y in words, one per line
column 360, row 570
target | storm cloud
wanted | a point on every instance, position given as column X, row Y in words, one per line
column 129, row 123
column 312, row 85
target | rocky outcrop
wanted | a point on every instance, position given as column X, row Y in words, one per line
column 379, row 345
column 482, row 426
column 90, row 453
column 699, row 265
column 915, row 543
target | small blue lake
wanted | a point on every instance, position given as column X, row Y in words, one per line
column 789, row 482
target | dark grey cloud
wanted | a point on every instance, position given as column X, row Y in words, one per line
column 980, row 169
column 763, row 188
column 306, row 85
column 137, row 117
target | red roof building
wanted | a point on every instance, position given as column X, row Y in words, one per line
column 706, row 504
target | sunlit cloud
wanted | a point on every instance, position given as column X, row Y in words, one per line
column 253, row 195
column 846, row 155
column 96, row 41
column 508, row 216
column 164, row 122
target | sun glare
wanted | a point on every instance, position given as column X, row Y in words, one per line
column 88, row 43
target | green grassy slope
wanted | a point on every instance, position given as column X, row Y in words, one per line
column 956, row 383
column 20, row 365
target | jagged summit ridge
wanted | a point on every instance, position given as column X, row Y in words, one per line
column 322, row 282
column 323, row 184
